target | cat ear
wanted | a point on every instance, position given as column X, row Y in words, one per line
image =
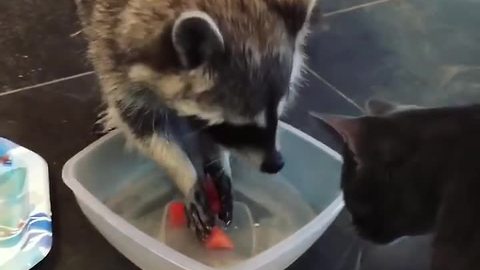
column 376, row 106
column 346, row 126
column 196, row 37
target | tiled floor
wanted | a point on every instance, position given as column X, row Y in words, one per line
column 411, row 51
column 56, row 121
column 35, row 42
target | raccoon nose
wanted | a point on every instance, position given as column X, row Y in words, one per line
column 273, row 163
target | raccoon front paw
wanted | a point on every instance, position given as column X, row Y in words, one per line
column 201, row 219
column 223, row 185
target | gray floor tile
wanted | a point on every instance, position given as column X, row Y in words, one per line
column 410, row 51
column 35, row 42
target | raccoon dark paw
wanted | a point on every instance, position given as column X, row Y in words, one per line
column 223, row 185
column 200, row 217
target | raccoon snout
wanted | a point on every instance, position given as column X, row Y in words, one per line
column 272, row 163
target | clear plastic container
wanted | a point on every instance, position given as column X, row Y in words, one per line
column 124, row 196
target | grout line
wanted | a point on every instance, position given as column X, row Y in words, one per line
column 345, row 10
column 14, row 91
column 335, row 89
column 358, row 263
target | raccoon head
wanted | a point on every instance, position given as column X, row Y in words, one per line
column 231, row 63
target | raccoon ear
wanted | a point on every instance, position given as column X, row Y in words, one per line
column 294, row 13
column 196, row 37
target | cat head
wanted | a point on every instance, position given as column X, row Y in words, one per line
column 391, row 163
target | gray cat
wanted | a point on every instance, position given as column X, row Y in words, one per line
column 410, row 171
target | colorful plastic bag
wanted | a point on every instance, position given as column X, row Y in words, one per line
column 25, row 215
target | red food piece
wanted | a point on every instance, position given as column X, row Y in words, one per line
column 4, row 159
column 176, row 215
column 212, row 195
column 218, row 239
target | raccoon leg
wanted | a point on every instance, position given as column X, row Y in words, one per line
column 200, row 217
column 157, row 132
column 219, row 170
column 209, row 159
column 187, row 179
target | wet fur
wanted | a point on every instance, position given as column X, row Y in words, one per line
column 413, row 171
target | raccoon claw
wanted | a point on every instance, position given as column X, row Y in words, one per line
column 223, row 186
column 199, row 216
column 201, row 229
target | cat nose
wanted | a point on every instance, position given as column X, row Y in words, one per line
column 273, row 163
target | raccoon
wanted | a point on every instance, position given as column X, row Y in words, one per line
column 188, row 81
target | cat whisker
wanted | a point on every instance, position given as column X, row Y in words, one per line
column 212, row 162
